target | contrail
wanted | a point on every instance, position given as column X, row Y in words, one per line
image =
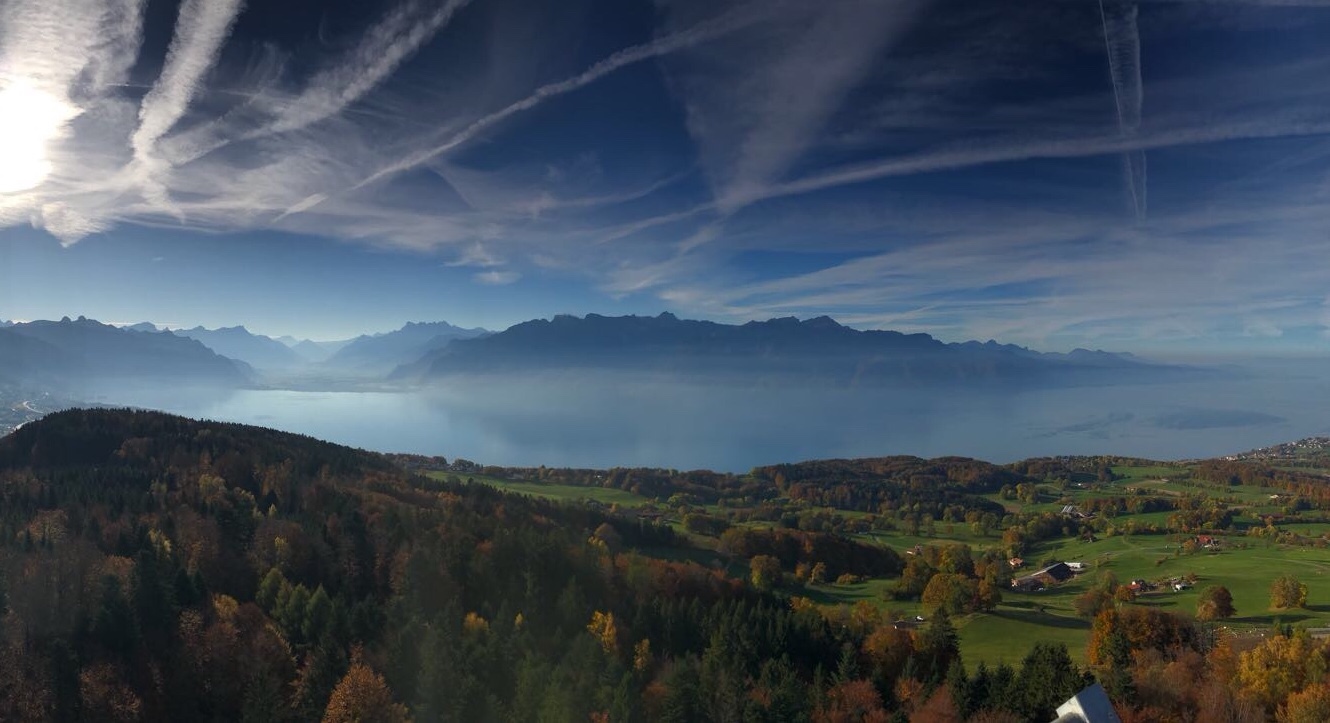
column 387, row 45
column 201, row 29
column 118, row 45
column 700, row 33
column 1122, row 41
column 966, row 156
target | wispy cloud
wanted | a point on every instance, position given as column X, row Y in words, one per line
column 947, row 165
column 201, row 29
column 497, row 278
column 381, row 51
column 700, row 33
column 1122, row 40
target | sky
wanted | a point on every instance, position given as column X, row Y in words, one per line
column 1136, row 176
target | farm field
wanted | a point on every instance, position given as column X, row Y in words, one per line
column 1246, row 564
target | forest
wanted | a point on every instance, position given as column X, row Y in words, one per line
column 158, row 568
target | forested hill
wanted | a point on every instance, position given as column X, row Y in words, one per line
column 158, row 568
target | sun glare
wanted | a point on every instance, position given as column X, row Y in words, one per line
column 30, row 119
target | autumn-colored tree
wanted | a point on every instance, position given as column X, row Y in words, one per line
column 818, row 575
column 1216, row 603
column 765, row 571
column 1288, row 592
column 1310, row 705
column 988, row 594
column 607, row 538
column 939, row 708
column 1280, row 666
column 106, row 697
column 995, row 716
column 362, row 696
column 602, row 627
column 1092, row 602
column 946, row 591
column 887, row 650
column 642, row 655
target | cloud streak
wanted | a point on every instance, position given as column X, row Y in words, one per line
column 383, row 48
column 1122, row 41
column 700, row 33
column 201, row 29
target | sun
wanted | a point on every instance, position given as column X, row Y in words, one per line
column 30, row 120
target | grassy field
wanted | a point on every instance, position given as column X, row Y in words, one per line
column 1245, row 565
column 571, row 493
column 1026, row 618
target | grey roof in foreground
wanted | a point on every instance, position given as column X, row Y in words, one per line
column 1088, row 706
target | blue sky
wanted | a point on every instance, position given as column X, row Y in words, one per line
column 1058, row 173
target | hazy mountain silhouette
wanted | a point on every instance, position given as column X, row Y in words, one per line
column 783, row 349
column 381, row 353
column 237, row 342
column 83, row 351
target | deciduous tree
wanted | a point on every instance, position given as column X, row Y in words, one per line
column 1288, row 592
column 1216, row 603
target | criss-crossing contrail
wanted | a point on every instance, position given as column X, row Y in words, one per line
column 382, row 49
column 201, row 29
column 664, row 45
column 1122, row 41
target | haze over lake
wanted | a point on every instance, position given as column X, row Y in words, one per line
column 609, row 421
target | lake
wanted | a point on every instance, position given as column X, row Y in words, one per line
column 628, row 422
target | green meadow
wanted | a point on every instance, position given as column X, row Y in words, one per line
column 1246, row 565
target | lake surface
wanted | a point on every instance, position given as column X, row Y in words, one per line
column 609, row 422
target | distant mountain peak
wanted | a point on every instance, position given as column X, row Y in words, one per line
column 381, row 353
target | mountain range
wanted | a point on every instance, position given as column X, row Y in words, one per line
column 238, row 342
column 777, row 350
column 83, row 351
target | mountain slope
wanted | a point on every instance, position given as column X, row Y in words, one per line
column 785, row 349
column 381, row 353
column 237, row 342
column 81, row 351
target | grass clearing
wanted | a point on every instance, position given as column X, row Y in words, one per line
column 570, row 493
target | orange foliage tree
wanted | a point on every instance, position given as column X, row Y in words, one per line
column 362, row 696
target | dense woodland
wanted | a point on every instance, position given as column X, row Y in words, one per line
column 157, row 568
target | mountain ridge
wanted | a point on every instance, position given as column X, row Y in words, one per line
column 819, row 348
column 84, row 350
column 381, row 353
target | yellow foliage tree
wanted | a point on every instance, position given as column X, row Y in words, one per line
column 1280, row 667
column 1288, row 592
column 474, row 623
column 362, row 696
column 1311, row 705
column 607, row 633
column 642, row 655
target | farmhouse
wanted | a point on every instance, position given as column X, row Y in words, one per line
column 1057, row 572
column 1072, row 511
column 1028, row 583
column 1077, row 566
column 1051, row 575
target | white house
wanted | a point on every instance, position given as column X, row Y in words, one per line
column 1077, row 566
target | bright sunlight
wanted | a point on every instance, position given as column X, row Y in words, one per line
column 30, row 119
